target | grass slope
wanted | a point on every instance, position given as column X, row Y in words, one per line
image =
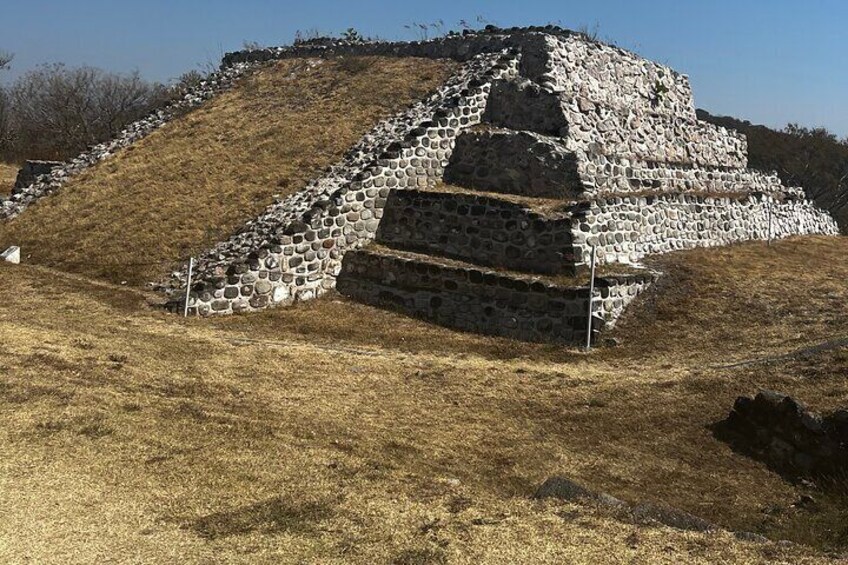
column 180, row 190
column 8, row 173
column 334, row 432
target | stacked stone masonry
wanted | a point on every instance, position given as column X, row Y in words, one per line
column 487, row 302
column 30, row 172
column 787, row 436
column 514, row 163
column 627, row 229
column 476, row 228
column 601, row 174
column 634, row 133
column 532, row 164
column 534, row 112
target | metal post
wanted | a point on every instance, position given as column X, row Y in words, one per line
column 591, row 299
column 769, row 223
column 188, row 286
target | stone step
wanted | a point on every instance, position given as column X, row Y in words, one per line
column 530, row 164
column 627, row 229
column 479, row 229
column 604, row 175
column 514, row 162
column 465, row 297
column 632, row 133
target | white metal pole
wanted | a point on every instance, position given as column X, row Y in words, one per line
column 591, row 299
column 769, row 222
column 188, row 285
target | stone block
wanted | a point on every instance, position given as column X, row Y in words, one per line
column 12, row 255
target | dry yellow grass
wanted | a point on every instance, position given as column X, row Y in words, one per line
column 180, row 190
column 333, row 432
column 8, row 172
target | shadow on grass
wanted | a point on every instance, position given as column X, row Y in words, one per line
column 275, row 515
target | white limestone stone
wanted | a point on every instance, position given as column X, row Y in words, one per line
column 12, row 255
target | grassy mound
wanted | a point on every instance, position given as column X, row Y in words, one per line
column 295, row 435
column 135, row 216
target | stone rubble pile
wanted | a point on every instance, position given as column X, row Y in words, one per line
column 30, row 172
column 645, row 513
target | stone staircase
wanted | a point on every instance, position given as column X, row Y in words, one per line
column 493, row 252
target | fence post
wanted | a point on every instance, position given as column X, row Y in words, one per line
column 188, row 285
column 591, row 299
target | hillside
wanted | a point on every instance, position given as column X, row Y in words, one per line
column 812, row 159
column 138, row 215
column 293, row 436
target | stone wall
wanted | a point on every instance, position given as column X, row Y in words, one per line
column 603, row 175
column 475, row 228
column 626, row 229
column 486, row 302
column 614, row 78
column 614, row 294
column 531, row 164
column 777, row 429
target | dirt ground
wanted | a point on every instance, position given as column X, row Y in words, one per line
column 334, row 432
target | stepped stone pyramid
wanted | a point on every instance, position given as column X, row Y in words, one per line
column 480, row 208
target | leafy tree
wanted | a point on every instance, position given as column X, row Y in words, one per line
column 351, row 35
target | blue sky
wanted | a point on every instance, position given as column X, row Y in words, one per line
column 768, row 61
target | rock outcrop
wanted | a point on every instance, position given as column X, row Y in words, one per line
column 31, row 171
column 645, row 513
column 783, row 433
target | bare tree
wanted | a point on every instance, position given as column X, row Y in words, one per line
column 57, row 112
column 5, row 132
